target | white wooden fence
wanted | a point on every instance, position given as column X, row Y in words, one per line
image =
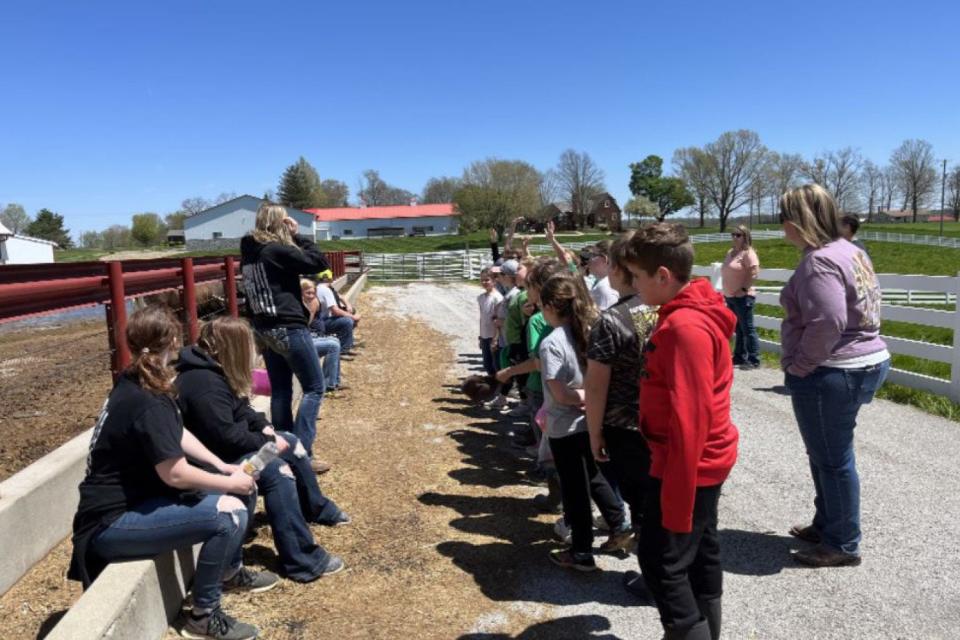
column 895, row 288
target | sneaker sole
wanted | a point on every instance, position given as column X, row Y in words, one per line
column 575, row 567
column 186, row 634
column 853, row 561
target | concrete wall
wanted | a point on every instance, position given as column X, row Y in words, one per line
column 24, row 250
column 234, row 219
column 442, row 225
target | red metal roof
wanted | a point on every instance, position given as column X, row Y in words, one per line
column 384, row 213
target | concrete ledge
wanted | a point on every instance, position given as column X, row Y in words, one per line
column 130, row 600
column 37, row 506
column 358, row 285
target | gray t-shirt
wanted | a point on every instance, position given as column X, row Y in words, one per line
column 558, row 361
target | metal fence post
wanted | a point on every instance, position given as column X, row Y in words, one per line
column 230, row 286
column 117, row 318
column 189, row 300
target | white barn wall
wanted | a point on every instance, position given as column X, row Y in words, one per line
column 24, row 250
column 442, row 225
column 236, row 218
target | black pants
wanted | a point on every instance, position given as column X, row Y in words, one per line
column 516, row 354
column 630, row 465
column 681, row 568
column 580, row 479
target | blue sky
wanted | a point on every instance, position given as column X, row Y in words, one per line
column 113, row 108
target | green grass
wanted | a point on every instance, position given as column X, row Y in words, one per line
column 950, row 229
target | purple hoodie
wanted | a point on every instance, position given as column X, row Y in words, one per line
column 832, row 302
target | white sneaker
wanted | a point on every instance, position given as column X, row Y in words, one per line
column 497, row 403
column 600, row 523
column 519, row 411
column 563, row 532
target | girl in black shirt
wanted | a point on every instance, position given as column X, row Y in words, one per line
column 141, row 497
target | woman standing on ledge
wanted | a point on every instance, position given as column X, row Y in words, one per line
column 834, row 362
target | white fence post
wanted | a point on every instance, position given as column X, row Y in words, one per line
column 955, row 365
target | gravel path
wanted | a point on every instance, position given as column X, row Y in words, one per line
column 907, row 587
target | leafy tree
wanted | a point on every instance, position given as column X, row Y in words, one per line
column 377, row 193
column 49, row 226
column 668, row 193
column 640, row 207
column 146, row 229
column 91, row 240
column 175, row 220
column 440, row 190
column 15, row 218
column 508, row 189
column 116, row 237
column 335, row 193
column 300, row 186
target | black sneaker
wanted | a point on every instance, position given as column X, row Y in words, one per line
column 217, row 624
column 568, row 559
column 339, row 520
column 634, row 584
column 334, row 565
column 252, row 581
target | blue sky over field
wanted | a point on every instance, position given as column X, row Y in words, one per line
column 113, row 108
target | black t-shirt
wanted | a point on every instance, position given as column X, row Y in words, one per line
column 136, row 431
column 616, row 340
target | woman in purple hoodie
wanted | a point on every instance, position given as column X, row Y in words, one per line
column 834, row 361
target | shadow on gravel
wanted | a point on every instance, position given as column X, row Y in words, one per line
column 756, row 553
column 778, row 389
column 569, row 628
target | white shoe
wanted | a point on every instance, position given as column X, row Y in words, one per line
column 563, row 532
column 519, row 411
column 497, row 403
column 600, row 523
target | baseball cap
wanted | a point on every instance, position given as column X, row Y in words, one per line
column 510, row 267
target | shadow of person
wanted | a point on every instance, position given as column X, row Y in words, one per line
column 490, row 465
column 49, row 623
column 756, row 553
column 778, row 389
column 568, row 628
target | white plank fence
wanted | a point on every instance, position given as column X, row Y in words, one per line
column 895, row 288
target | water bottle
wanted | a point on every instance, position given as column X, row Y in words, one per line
column 258, row 461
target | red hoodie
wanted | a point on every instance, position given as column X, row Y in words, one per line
column 685, row 400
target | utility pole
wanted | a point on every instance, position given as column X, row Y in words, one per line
column 943, row 189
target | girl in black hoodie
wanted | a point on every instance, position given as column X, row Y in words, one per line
column 272, row 258
column 213, row 385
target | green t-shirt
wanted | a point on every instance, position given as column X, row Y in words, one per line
column 515, row 318
column 537, row 330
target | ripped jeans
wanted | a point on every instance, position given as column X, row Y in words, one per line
column 163, row 524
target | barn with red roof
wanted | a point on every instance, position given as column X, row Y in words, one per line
column 391, row 220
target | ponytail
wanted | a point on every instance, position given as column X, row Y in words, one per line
column 152, row 333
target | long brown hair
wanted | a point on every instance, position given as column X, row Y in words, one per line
column 229, row 341
column 567, row 295
column 152, row 333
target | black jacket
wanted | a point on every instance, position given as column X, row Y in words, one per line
column 224, row 423
column 271, row 279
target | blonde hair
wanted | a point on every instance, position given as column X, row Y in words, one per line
column 270, row 227
column 747, row 238
column 151, row 333
column 813, row 211
column 229, row 341
column 307, row 284
column 567, row 295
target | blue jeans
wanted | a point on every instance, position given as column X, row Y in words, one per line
column 826, row 403
column 301, row 558
column 746, row 349
column 290, row 352
column 342, row 327
column 162, row 524
column 315, row 506
column 328, row 348
column 487, row 352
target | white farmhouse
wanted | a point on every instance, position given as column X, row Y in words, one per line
column 17, row 249
column 397, row 220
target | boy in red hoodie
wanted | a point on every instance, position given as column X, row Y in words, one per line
column 685, row 385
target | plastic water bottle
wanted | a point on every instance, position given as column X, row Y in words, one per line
column 258, row 461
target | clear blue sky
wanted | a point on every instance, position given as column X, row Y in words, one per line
column 112, row 108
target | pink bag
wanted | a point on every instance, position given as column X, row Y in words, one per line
column 541, row 419
column 261, row 383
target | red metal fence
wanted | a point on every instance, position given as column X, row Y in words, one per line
column 39, row 289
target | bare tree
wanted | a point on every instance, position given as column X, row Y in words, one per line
column 838, row 173
column 872, row 183
column 733, row 162
column 916, row 172
column 549, row 187
column 190, row 206
column 375, row 192
column 953, row 184
column 225, row 196
column 888, row 188
column 816, row 170
column 785, row 173
column 580, row 179
column 691, row 165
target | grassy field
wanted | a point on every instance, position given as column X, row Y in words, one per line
column 950, row 229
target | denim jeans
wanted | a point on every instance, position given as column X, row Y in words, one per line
column 328, row 348
column 290, row 351
column 315, row 506
column 162, row 524
column 826, row 403
column 301, row 558
column 342, row 327
column 746, row 349
column 487, row 352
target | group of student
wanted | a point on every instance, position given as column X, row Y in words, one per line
column 170, row 456
column 628, row 395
